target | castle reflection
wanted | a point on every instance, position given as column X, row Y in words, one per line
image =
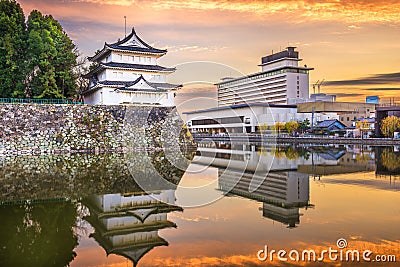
column 128, row 225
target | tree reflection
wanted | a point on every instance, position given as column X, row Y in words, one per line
column 390, row 160
column 38, row 234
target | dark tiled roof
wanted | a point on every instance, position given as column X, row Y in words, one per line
column 329, row 123
column 127, row 84
column 138, row 49
column 147, row 48
column 141, row 78
column 165, row 85
column 118, row 46
column 326, row 123
column 141, row 90
column 136, row 66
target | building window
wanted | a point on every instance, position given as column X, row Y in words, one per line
column 115, row 74
column 348, row 119
column 120, row 57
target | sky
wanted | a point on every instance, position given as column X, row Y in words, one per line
column 353, row 45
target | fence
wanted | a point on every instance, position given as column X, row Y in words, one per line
column 37, row 101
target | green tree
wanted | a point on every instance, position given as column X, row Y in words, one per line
column 389, row 125
column 12, row 49
column 51, row 58
column 291, row 126
column 304, row 125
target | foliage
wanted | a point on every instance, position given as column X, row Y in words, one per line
column 37, row 58
column 279, row 127
column 362, row 125
column 12, row 49
column 389, row 125
column 390, row 160
column 291, row 153
column 291, row 126
column 304, row 125
column 52, row 58
column 264, row 127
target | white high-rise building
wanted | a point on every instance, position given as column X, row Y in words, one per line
column 281, row 81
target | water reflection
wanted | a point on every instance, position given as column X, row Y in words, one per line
column 128, row 225
column 38, row 234
column 42, row 198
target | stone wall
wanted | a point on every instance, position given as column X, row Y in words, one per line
column 77, row 175
column 39, row 129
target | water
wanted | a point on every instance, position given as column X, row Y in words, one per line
column 219, row 207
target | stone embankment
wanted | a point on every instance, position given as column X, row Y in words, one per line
column 40, row 129
column 299, row 140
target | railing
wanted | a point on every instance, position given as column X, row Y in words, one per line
column 37, row 101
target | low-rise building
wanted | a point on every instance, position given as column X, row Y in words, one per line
column 243, row 118
column 346, row 112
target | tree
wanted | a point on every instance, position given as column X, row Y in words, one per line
column 12, row 49
column 389, row 125
column 263, row 127
column 291, row 126
column 51, row 59
column 279, row 126
column 362, row 125
column 304, row 125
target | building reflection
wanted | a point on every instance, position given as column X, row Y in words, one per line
column 266, row 174
column 282, row 193
column 128, row 225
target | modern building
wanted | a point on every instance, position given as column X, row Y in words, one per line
column 246, row 118
column 127, row 72
column 345, row 112
column 281, row 81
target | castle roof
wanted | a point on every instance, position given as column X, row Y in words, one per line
column 138, row 85
column 131, row 43
column 127, row 66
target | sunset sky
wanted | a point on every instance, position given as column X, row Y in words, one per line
column 353, row 45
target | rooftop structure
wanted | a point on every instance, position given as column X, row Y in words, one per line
column 126, row 72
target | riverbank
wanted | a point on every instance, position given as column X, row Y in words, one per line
column 300, row 140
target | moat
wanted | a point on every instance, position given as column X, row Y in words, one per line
column 217, row 206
